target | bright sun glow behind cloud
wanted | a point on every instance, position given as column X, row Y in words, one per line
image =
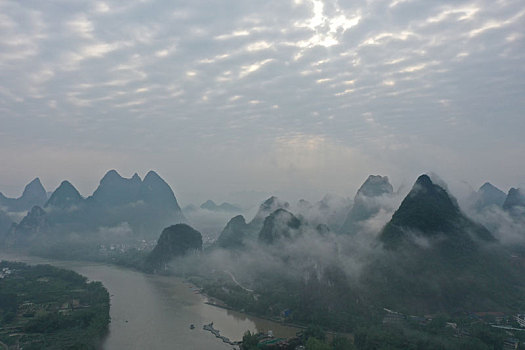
column 326, row 29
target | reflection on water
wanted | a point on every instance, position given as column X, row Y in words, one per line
column 155, row 312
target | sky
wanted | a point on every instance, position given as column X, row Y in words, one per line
column 226, row 99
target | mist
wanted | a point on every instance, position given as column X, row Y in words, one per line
column 365, row 159
column 307, row 253
column 209, row 223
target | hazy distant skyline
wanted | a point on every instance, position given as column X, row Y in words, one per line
column 293, row 97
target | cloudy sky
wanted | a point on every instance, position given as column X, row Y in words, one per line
column 284, row 96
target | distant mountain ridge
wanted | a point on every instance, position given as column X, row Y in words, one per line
column 366, row 202
column 224, row 207
column 34, row 194
column 489, row 195
column 330, row 211
column 515, row 201
column 65, row 196
column 146, row 205
column 116, row 190
column 429, row 258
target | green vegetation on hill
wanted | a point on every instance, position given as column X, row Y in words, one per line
column 439, row 260
column 428, row 212
column 174, row 241
column 234, row 234
column 279, row 224
column 44, row 307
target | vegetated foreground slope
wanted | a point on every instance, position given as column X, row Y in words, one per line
column 44, row 307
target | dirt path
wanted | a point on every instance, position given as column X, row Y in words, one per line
column 237, row 283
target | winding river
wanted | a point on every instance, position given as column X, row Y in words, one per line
column 155, row 312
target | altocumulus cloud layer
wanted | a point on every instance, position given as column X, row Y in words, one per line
column 273, row 95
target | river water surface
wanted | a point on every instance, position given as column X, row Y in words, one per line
column 155, row 312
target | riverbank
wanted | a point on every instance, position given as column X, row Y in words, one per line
column 153, row 311
column 133, row 262
column 222, row 305
column 232, row 323
column 209, row 327
column 330, row 334
column 264, row 324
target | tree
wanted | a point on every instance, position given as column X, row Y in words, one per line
column 342, row 343
column 315, row 332
column 249, row 341
column 316, row 344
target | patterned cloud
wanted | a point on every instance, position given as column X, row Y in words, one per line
column 296, row 90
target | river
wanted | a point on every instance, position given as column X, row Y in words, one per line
column 155, row 312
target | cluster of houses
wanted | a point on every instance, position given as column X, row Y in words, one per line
column 520, row 318
column 495, row 319
column 5, row 272
column 265, row 340
column 29, row 309
column 269, row 342
column 123, row 247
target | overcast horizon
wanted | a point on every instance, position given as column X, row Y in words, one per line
column 299, row 98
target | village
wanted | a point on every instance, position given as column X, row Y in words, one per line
column 43, row 304
column 499, row 320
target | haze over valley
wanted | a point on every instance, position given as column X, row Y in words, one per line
column 335, row 263
column 282, row 174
